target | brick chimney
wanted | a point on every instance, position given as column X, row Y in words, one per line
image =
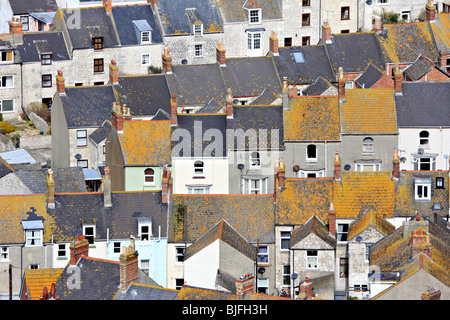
column 397, row 80
column 281, row 174
column 229, row 108
column 15, row 26
column 285, row 94
column 430, row 11
column 153, row 3
column 306, row 290
column 341, row 85
column 443, row 59
column 108, row 5
column 50, row 189
column 332, row 220
column 165, row 185
column 326, row 32
column 60, row 83
column 245, row 283
column 113, row 72
column 431, row 294
column 378, row 26
column 117, row 117
column 128, row 266
column 396, row 165
column 220, row 54
column 273, row 44
column 167, row 61
column 337, row 166
column 173, row 110
column 107, row 202
column 420, row 243
column 79, row 249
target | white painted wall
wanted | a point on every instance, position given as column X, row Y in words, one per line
column 200, row 270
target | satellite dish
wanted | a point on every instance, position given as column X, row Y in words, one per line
column 420, row 151
column 294, row 276
column 184, row 61
column 261, row 270
column 403, row 159
column 347, row 167
column 240, row 166
column 78, row 156
column 358, row 238
column 446, row 156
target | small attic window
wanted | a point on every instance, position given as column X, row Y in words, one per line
column 143, row 31
column 97, row 43
column 198, row 29
column 254, row 16
column 145, row 37
column 299, row 57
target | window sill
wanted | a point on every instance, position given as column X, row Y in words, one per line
column 198, row 177
column 61, row 258
column 263, row 264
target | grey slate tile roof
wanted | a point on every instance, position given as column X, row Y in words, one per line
column 66, row 179
column 87, row 106
column 5, row 168
column 316, row 63
column 124, row 17
column 235, row 10
column 101, row 133
column 43, row 42
column 423, row 104
column 92, row 22
column 176, row 20
column 313, row 225
column 267, row 97
column 142, row 292
column 29, row 6
column 213, row 106
column 369, row 77
column 144, row 95
column 354, row 51
column 419, row 68
column 318, row 87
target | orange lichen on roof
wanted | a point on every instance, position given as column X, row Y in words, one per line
column 37, row 279
column 312, row 118
column 359, row 192
column 146, row 142
column 302, row 199
column 371, row 218
column 369, row 111
column 16, row 208
column 441, row 30
column 6, row 164
column 190, row 293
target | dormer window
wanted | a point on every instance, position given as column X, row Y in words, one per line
column 89, row 231
column 143, row 31
column 46, row 58
column 98, row 43
column 33, row 232
column 198, row 29
column 145, row 37
column 6, row 56
column 254, row 16
column 144, row 228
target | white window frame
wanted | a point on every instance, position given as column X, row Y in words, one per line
column 152, row 176
column 81, row 138
column 145, row 235
column 83, row 163
column 1, row 105
column 25, row 20
column 89, row 236
column 316, row 173
column 286, row 236
column 312, row 259
column 146, row 36
column 255, row 160
column 4, row 254
column 198, row 190
column 422, row 191
column 198, row 50
column 308, row 158
column 286, row 275
column 424, row 138
column 62, row 251
column 145, row 265
column 254, row 43
column 33, row 266
column 342, row 231
column 4, row 79
column 359, row 166
column 254, row 16
column 145, row 59
column 418, row 162
column 260, row 186
column 263, row 257
column 199, row 168
column 33, row 235
column 117, row 247
column 368, row 145
column 179, row 254
column 198, row 29
column 263, row 285
column 4, row 56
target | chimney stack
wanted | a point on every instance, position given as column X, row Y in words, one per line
column 245, row 283
column 173, row 110
column 378, row 24
column 107, row 202
column 220, row 54
column 128, row 266
column 153, row 3
column 281, row 174
column 108, row 5
column 167, row 61
column 306, row 290
column 229, row 108
column 332, row 220
column 326, row 32
column 285, row 94
column 113, row 72
column 337, row 166
column 397, row 80
column 165, row 185
column 341, row 85
column 273, row 44
column 15, row 26
column 117, row 117
column 60, row 83
column 443, row 60
column 430, row 11
column 420, row 243
column 396, row 165
column 50, row 189
column 431, row 294
column 78, row 249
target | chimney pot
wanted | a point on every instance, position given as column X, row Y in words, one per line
column 128, row 267
column 60, row 83
column 274, row 44
column 430, row 11
column 108, row 5
column 326, row 32
column 220, row 54
column 78, row 249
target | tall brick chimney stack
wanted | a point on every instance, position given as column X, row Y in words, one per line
column 274, row 44
column 229, row 107
column 128, row 266
column 337, row 166
column 341, row 85
column 167, row 61
column 443, row 59
column 430, row 11
column 332, row 220
column 165, row 185
column 107, row 201
column 396, row 165
column 108, row 6
column 281, row 174
column 398, row 80
column 79, row 249
column 220, row 54
column 117, row 117
column 245, row 283
column 60, row 83
column 15, row 26
column 326, row 32
column 378, row 26
column 50, row 189
column 173, row 110
column 306, row 290
column 113, row 72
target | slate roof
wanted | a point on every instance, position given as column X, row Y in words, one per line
column 354, row 51
column 144, row 95
column 441, row 31
column 258, row 119
column 316, row 63
column 175, row 18
column 146, row 142
column 101, row 133
column 5, row 168
column 416, row 95
column 66, row 179
column 31, row 6
column 313, row 225
column 201, row 122
column 223, row 231
column 369, row 111
column 233, row 10
column 312, row 119
column 192, row 216
column 370, row 76
column 419, row 68
column 138, row 291
column 37, row 43
column 213, row 106
column 193, row 293
column 92, row 22
column 404, row 42
column 318, row 87
column 370, row 219
column 124, row 17
column 87, row 106
column 37, row 279
column 267, row 97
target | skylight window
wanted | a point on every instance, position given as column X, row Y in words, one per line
column 299, row 57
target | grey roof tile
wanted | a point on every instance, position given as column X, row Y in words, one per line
column 37, row 43
column 369, row 77
column 29, row 6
